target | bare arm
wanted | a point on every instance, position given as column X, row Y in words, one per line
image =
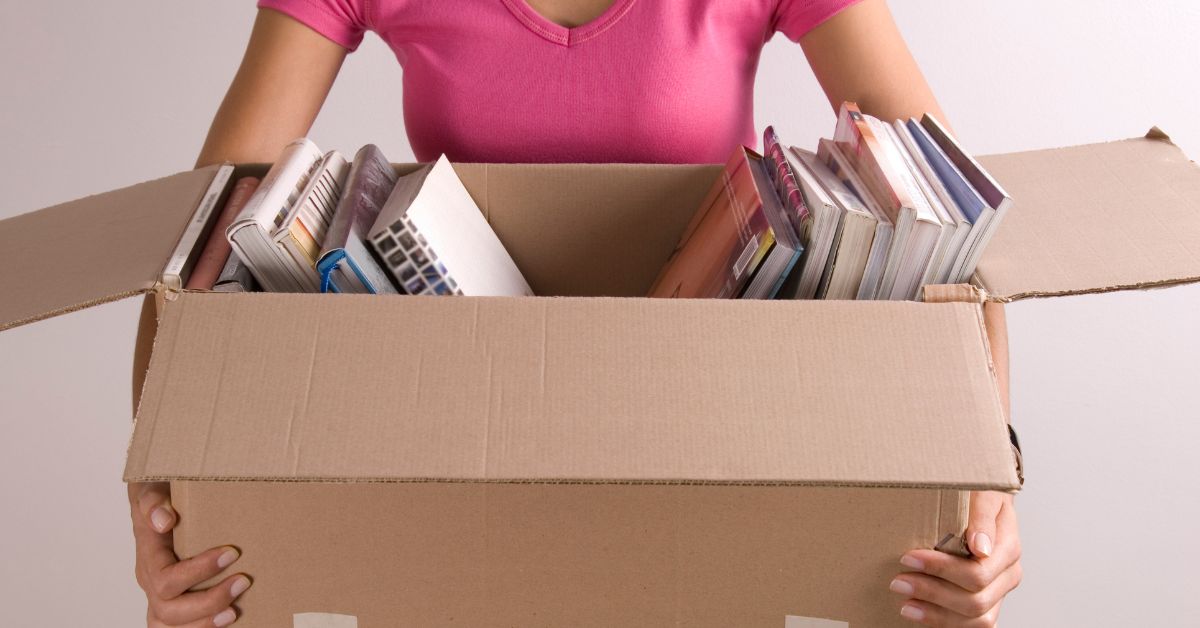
column 860, row 56
column 285, row 75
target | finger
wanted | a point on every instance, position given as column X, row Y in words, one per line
column 928, row 614
column 981, row 523
column 200, row 605
column 153, row 501
column 971, row 574
column 221, row 619
column 952, row 597
column 180, row 576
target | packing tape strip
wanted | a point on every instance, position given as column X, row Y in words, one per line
column 796, row 621
column 323, row 620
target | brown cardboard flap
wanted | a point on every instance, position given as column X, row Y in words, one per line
column 397, row 388
column 1095, row 218
column 95, row 249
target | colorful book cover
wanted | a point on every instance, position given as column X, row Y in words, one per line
column 725, row 241
column 866, row 154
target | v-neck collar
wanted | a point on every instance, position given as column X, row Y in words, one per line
column 563, row 35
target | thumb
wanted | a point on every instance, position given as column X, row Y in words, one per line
column 154, row 503
column 981, row 526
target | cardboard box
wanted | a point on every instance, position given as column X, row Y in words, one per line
column 587, row 460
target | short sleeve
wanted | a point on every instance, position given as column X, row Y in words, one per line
column 340, row 21
column 795, row 18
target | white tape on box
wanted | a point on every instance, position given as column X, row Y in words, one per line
column 323, row 620
column 796, row 621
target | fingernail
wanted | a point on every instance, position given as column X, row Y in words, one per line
column 239, row 586
column 224, row 618
column 908, row 611
column 226, row 559
column 160, row 518
column 983, row 544
column 901, row 587
column 912, row 562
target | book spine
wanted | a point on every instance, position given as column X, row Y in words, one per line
column 186, row 251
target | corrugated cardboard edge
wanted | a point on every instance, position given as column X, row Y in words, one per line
column 969, row 293
column 955, row 293
column 570, row 481
column 1155, row 133
column 952, row 517
column 1033, row 294
column 74, row 308
column 147, row 336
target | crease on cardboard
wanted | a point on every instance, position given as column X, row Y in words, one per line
column 306, row 399
column 324, row 620
column 159, row 352
column 968, row 293
column 212, row 413
column 995, row 389
column 488, row 414
column 799, row 621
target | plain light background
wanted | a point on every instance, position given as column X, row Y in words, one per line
column 97, row 95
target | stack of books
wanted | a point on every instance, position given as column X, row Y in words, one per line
column 319, row 223
column 877, row 212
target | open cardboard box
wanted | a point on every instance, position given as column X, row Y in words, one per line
column 586, row 459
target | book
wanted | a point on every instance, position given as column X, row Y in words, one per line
column 965, row 197
column 346, row 263
column 949, row 227
column 216, row 249
column 725, row 240
column 939, row 190
column 433, row 239
column 926, row 229
column 785, row 248
column 874, row 159
column 304, row 227
column 187, row 250
column 820, row 228
column 251, row 234
column 831, row 155
column 235, row 277
column 997, row 201
column 856, row 226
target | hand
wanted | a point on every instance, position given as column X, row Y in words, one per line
column 166, row 579
column 947, row 590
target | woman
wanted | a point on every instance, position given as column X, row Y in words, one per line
column 573, row 81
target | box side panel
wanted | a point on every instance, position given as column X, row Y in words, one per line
column 571, row 389
column 588, row 230
column 93, row 250
column 1095, row 218
column 565, row 555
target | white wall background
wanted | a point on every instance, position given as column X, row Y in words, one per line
column 97, row 95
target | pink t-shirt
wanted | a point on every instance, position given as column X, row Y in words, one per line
column 655, row 81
